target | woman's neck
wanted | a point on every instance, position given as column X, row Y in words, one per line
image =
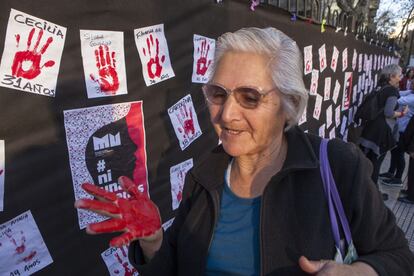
column 250, row 174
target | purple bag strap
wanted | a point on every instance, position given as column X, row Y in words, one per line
column 334, row 201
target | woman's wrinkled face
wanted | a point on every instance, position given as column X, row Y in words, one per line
column 244, row 131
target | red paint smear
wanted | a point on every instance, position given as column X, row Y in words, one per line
column 20, row 249
column 188, row 123
column 134, row 120
column 108, row 76
column 17, row 36
column 154, row 61
column 202, row 64
column 30, row 56
column 30, row 256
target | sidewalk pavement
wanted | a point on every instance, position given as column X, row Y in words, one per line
column 403, row 212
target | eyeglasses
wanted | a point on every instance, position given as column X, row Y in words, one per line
column 248, row 97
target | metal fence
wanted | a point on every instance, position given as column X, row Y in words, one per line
column 317, row 11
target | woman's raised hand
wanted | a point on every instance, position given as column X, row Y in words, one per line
column 138, row 217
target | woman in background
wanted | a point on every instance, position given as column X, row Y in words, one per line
column 380, row 135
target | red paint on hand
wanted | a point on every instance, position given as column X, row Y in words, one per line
column 26, row 64
column 137, row 216
column 202, row 64
column 154, row 67
column 108, row 77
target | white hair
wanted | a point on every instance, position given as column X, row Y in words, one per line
column 285, row 64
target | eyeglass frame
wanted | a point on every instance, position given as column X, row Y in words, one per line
column 230, row 91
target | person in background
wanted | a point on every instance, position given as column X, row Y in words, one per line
column 394, row 174
column 380, row 135
column 407, row 196
column 407, row 80
column 256, row 204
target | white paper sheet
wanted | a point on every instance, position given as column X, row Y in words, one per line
column 344, row 59
column 203, row 58
column 184, row 120
column 22, row 249
column 327, row 89
column 334, row 61
column 313, row 90
column 103, row 63
column 328, row 116
column 318, row 106
column 32, row 53
column 177, row 177
column 322, row 58
column 153, row 52
column 308, row 59
column 116, row 260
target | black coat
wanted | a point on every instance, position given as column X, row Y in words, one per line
column 377, row 135
column 407, row 139
column 294, row 217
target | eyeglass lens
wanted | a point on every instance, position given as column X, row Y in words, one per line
column 247, row 97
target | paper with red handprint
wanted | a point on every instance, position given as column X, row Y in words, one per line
column 2, row 174
column 303, row 118
column 313, row 90
column 32, row 53
column 177, row 177
column 103, row 63
column 204, row 48
column 334, row 60
column 22, row 249
column 347, row 91
column 119, row 148
column 153, row 51
column 322, row 58
column 308, row 59
column 344, row 59
column 354, row 60
column 318, row 107
column 337, row 115
column 116, row 260
column 184, row 120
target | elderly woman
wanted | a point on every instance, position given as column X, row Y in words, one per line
column 380, row 135
column 256, row 204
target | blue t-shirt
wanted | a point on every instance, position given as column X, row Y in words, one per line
column 235, row 248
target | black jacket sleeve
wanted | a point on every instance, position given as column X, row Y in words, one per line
column 377, row 238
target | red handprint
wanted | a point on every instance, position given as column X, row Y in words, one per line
column 186, row 121
column 127, row 270
column 180, row 176
column 21, row 248
column 137, row 216
column 202, row 64
column 26, row 64
column 154, row 67
column 108, row 77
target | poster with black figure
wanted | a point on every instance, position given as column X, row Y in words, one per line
column 104, row 143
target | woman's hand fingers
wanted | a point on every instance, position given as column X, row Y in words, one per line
column 99, row 192
column 130, row 187
column 107, row 226
column 103, row 208
column 311, row 267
